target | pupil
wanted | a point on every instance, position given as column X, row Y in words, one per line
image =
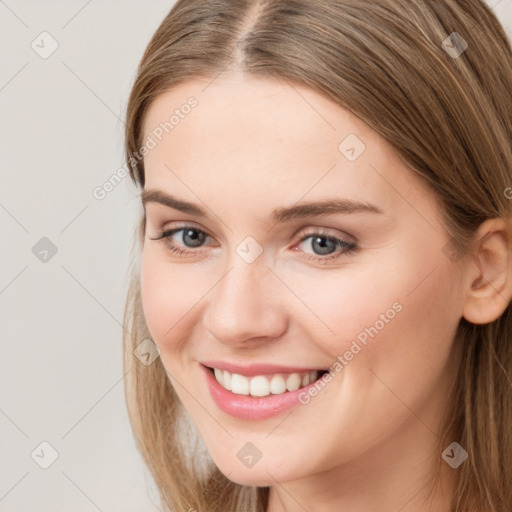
column 323, row 243
column 198, row 237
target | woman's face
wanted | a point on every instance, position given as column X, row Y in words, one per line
column 267, row 295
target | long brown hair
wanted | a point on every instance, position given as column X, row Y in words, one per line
column 401, row 67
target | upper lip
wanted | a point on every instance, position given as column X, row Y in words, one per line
column 256, row 369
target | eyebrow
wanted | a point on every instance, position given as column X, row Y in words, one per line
column 283, row 214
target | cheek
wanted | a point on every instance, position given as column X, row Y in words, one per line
column 338, row 306
column 404, row 307
column 167, row 294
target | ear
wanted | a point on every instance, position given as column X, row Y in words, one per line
column 489, row 288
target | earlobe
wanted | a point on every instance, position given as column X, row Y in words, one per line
column 489, row 283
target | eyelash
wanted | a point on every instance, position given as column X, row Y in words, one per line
column 348, row 247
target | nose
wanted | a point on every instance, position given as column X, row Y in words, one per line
column 244, row 307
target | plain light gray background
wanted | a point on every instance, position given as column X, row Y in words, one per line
column 61, row 360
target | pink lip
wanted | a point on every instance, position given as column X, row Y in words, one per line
column 247, row 407
column 256, row 369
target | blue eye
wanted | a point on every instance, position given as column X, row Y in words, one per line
column 194, row 236
column 326, row 246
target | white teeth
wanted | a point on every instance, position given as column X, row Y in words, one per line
column 277, row 385
column 264, row 385
column 227, row 380
column 293, row 382
column 260, row 386
column 239, row 384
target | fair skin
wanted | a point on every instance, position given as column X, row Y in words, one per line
column 368, row 440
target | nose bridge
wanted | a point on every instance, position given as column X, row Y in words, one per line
column 243, row 305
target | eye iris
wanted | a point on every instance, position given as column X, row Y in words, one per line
column 197, row 239
column 323, row 242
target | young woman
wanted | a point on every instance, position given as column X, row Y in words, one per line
column 320, row 317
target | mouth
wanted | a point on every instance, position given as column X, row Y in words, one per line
column 265, row 384
column 258, row 392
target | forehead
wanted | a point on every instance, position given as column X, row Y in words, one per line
column 263, row 143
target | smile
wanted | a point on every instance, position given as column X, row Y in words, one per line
column 257, row 392
column 264, row 385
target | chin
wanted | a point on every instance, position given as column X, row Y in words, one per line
column 248, row 478
column 262, row 474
